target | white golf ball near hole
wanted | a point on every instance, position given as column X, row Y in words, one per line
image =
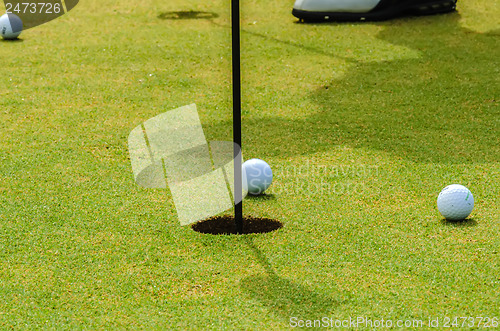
column 455, row 202
column 259, row 176
column 11, row 26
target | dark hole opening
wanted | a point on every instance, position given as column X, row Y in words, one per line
column 224, row 225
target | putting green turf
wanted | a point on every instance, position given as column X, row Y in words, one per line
column 363, row 125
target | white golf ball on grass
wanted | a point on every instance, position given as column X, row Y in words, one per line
column 259, row 176
column 11, row 26
column 455, row 202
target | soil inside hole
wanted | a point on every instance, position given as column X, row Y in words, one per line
column 225, row 225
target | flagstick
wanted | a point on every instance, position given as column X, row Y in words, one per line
column 235, row 26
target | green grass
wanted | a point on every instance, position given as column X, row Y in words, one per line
column 363, row 125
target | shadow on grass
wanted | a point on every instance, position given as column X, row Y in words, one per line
column 468, row 222
column 260, row 197
column 282, row 296
column 441, row 107
column 187, row 15
column 17, row 40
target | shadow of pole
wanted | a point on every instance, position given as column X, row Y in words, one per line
column 283, row 297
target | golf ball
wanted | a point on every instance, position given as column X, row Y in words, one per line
column 259, row 176
column 455, row 202
column 10, row 26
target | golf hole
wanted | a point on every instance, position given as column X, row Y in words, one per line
column 224, row 225
column 187, row 15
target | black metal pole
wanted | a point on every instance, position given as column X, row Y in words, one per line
column 235, row 31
